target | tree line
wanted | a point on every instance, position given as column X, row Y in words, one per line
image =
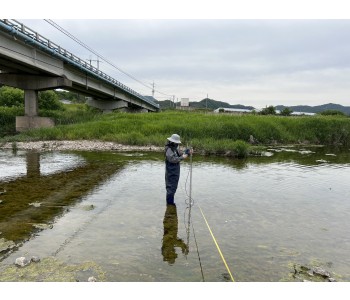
column 47, row 100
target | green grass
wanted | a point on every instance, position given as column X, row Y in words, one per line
column 207, row 133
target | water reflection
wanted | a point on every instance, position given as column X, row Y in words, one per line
column 31, row 203
column 267, row 213
column 297, row 155
column 170, row 238
column 33, row 164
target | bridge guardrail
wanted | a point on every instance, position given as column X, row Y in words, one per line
column 14, row 27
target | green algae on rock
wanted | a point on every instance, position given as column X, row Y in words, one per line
column 50, row 269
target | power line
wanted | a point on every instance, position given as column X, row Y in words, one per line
column 52, row 23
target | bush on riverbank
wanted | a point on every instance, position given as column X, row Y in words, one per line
column 8, row 119
column 207, row 133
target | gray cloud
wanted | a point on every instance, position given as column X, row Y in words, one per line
column 258, row 62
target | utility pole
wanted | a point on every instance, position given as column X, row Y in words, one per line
column 153, row 89
column 98, row 62
column 206, row 103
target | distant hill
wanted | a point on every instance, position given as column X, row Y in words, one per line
column 213, row 104
column 316, row 109
column 205, row 103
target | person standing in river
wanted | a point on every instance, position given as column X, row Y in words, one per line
column 173, row 157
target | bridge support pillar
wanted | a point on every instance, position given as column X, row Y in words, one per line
column 30, row 103
column 24, row 123
column 31, row 119
column 31, row 84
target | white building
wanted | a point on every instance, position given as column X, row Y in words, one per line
column 185, row 102
column 238, row 111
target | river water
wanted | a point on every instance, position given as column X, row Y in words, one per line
column 103, row 215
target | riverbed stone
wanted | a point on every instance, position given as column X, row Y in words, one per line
column 92, row 279
column 321, row 272
column 311, row 273
column 43, row 226
column 80, row 145
column 35, row 259
column 22, row 261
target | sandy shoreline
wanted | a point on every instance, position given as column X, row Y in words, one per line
column 77, row 145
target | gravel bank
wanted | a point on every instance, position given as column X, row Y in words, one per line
column 78, row 145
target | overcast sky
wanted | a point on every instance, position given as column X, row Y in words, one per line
column 257, row 62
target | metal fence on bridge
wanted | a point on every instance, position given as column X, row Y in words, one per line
column 30, row 36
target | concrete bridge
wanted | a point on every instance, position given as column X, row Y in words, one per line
column 33, row 63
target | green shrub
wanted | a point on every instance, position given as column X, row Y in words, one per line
column 48, row 100
column 11, row 97
column 8, row 119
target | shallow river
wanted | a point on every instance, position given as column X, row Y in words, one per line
column 103, row 215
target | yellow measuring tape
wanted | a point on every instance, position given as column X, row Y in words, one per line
column 212, row 235
column 217, row 246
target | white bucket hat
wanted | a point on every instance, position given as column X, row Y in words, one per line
column 175, row 138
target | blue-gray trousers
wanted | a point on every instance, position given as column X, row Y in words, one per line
column 172, row 175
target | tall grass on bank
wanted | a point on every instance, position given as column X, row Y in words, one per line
column 206, row 132
column 71, row 114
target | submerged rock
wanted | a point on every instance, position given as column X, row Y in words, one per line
column 321, row 161
column 321, row 272
column 88, row 207
column 43, row 226
column 6, row 245
column 306, row 152
column 311, row 273
column 50, row 269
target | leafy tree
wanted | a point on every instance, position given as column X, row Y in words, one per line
column 286, row 112
column 270, row 110
column 11, row 97
column 48, row 100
